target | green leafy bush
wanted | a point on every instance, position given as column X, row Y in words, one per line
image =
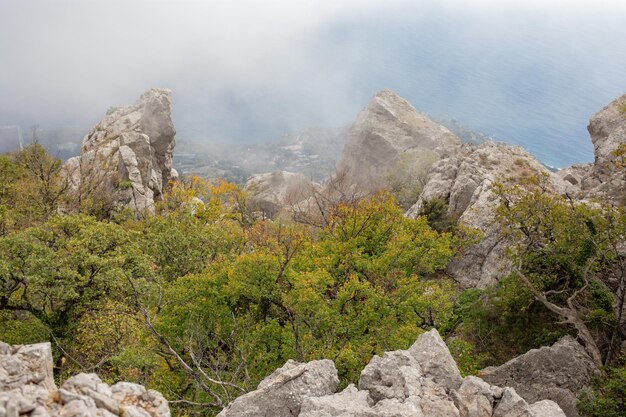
column 607, row 396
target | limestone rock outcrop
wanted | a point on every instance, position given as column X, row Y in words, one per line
column 604, row 179
column 558, row 373
column 389, row 137
column 27, row 388
column 128, row 154
column 272, row 192
column 281, row 394
column 402, row 383
column 436, row 361
column 465, row 182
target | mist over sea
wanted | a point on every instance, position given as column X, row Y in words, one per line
column 524, row 71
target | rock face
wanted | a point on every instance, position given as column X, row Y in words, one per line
column 556, row 373
column 27, row 388
column 437, row 363
column 603, row 179
column 281, row 394
column 465, row 182
column 388, row 137
column 128, row 154
column 272, row 192
column 402, row 383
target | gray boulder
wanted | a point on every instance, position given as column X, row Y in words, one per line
column 127, row 155
column 281, row 394
column 394, row 375
column 402, row 383
column 512, row 405
column 608, row 130
column 24, row 365
column 556, row 373
column 546, row 408
column 436, row 362
column 475, row 398
column 348, row 403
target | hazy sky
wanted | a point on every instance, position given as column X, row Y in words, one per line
column 522, row 70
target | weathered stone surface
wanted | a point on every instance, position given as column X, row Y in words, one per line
column 556, row 373
column 431, row 352
column 512, row 405
column 28, row 364
column 475, row 398
column 394, row 375
column 546, row 408
column 607, row 130
column 390, row 135
column 348, row 403
column 27, row 388
column 465, row 182
column 281, row 394
column 399, row 408
column 273, row 192
column 128, row 155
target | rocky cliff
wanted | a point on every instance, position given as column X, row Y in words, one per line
column 27, row 388
column 390, row 136
column 391, row 145
column 422, row 381
column 605, row 178
column 465, row 181
column 128, row 155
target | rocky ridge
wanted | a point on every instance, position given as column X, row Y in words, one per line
column 389, row 145
column 422, row 381
column 27, row 388
column 465, row 179
column 128, row 154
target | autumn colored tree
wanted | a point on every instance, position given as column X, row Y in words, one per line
column 32, row 187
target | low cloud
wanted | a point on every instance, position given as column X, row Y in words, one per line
column 251, row 70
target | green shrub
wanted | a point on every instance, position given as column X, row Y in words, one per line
column 436, row 212
column 468, row 360
column 125, row 184
column 607, row 396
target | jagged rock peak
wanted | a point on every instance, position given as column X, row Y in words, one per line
column 128, row 154
column 604, row 179
column 389, row 135
column 402, row 383
column 608, row 130
column 27, row 388
column 411, row 127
